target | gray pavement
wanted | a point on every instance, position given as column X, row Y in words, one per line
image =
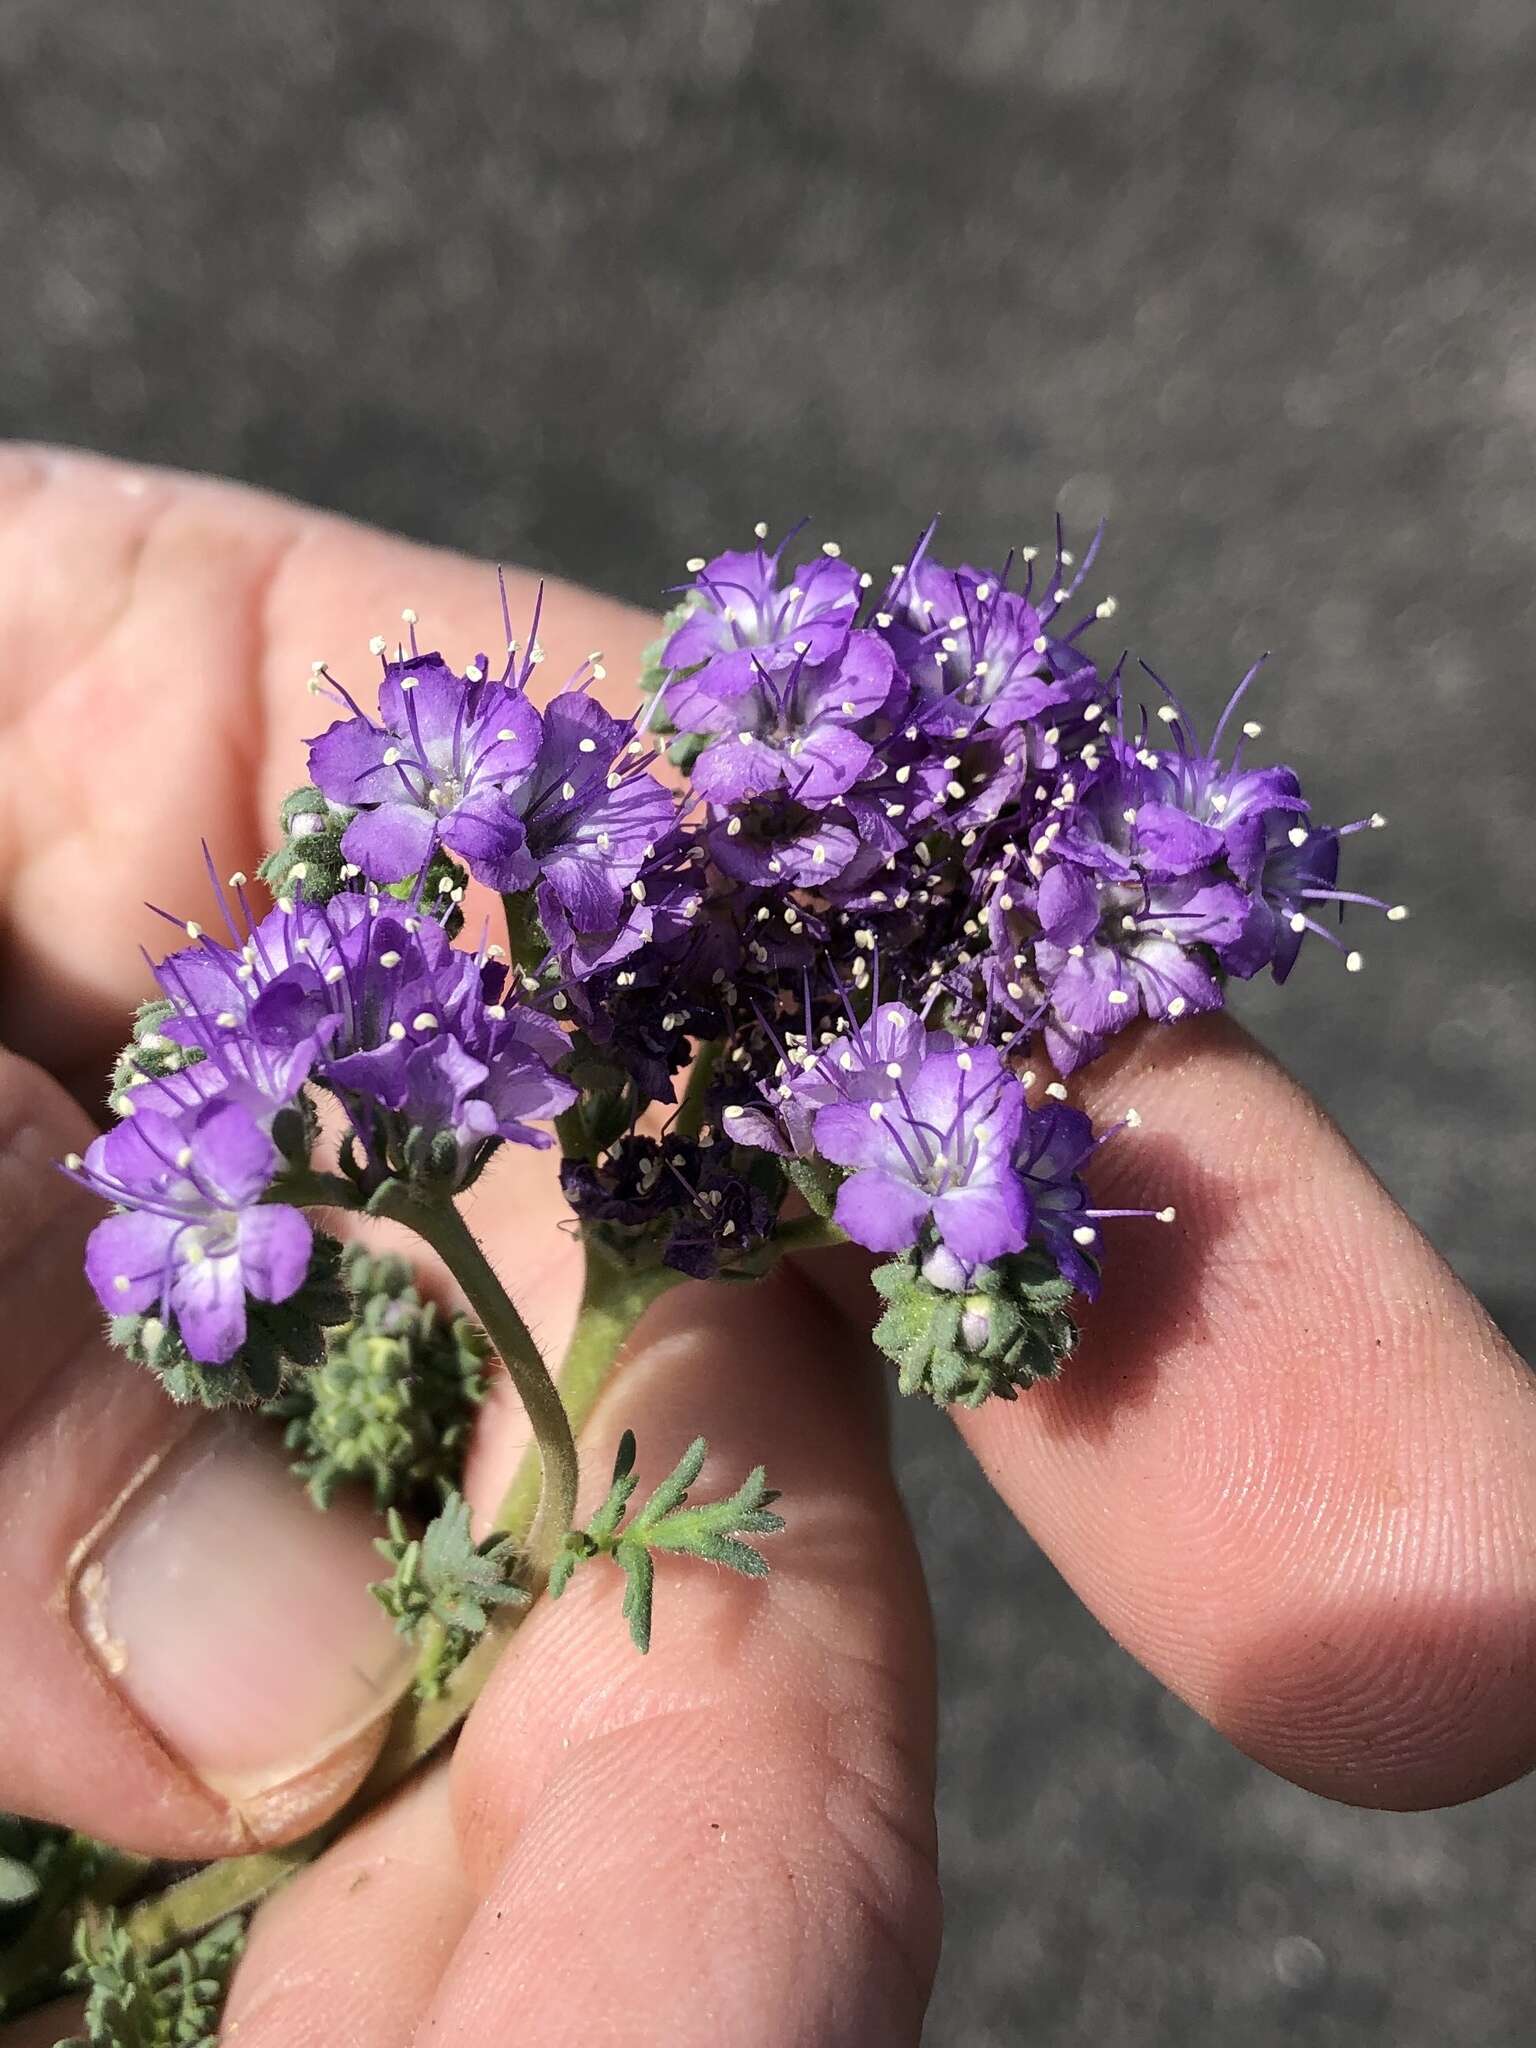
column 595, row 286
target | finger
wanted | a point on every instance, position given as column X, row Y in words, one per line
column 204, row 1666
column 746, row 1813
column 45, row 2028
column 349, row 1955
column 1293, row 1466
column 175, row 621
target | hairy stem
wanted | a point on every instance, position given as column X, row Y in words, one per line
column 444, row 1229
column 614, row 1297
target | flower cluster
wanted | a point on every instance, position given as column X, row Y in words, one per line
column 917, row 836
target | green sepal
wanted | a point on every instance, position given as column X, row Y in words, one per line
column 712, row 1531
column 281, row 1336
column 686, row 749
column 307, row 866
column 393, row 1403
column 444, row 1588
column 816, row 1181
column 133, row 2002
column 149, row 1055
column 1009, row 1329
column 653, row 672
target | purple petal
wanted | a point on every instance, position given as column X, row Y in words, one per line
column 132, row 1248
column 390, row 844
column 827, row 761
column 346, row 763
column 275, row 1245
column 488, row 835
column 849, row 1134
column 735, row 770
column 208, row 1296
column 880, row 1212
column 1170, row 842
column 1165, row 973
column 981, row 1223
column 1068, row 904
column 232, row 1153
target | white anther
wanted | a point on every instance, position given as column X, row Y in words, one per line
column 1106, row 608
column 194, row 931
column 1057, row 1090
column 423, row 1021
column 1376, row 821
column 391, row 756
column 1084, row 1234
column 1397, row 913
column 238, row 879
column 1297, row 835
column 1353, row 962
column 397, row 1030
column 1118, row 996
column 1298, row 921
column 409, row 616
column 1168, row 713
column 1041, row 643
column 830, row 547
column 1177, row 1007
column 377, row 644
column 1167, row 1215
column 390, row 959
column 1252, row 729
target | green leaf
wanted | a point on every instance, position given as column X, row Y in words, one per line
column 445, row 1588
column 393, row 1402
column 711, row 1530
column 133, row 2002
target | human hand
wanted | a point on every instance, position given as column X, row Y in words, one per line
column 1289, row 1467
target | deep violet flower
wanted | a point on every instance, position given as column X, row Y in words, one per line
column 435, row 768
column 863, row 1062
column 794, row 727
column 941, row 1149
column 193, row 1236
column 742, row 622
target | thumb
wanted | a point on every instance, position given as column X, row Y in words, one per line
column 202, row 1667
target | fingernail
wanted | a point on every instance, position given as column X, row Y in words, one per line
column 235, row 1617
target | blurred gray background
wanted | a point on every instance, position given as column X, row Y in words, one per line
column 593, row 287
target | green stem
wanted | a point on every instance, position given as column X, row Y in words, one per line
column 614, row 1297
column 526, row 941
column 805, row 1234
column 444, row 1229
column 690, row 1115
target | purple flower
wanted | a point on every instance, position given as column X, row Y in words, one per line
column 592, row 812
column 435, row 768
column 979, row 653
column 792, row 728
column 742, row 623
column 417, row 1042
column 941, row 1149
column 192, row 1237
column 865, row 1062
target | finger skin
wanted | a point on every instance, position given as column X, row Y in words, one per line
column 730, row 1839
column 350, row 1953
column 175, row 620
column 1293, row 1466
column 81, row 1431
